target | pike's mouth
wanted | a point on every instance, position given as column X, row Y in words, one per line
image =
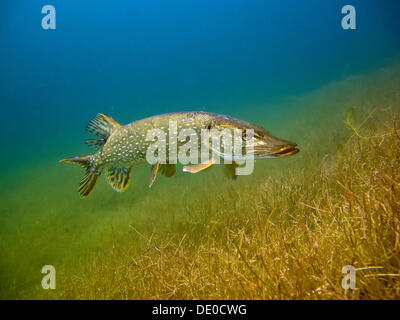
column 286, row 151
column 260, row 152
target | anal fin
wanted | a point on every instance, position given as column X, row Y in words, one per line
column 119, row 178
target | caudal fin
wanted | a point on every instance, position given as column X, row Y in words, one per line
column 91, row 176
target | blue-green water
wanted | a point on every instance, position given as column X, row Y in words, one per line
column 133, row 59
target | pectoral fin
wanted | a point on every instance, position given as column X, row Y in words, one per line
column 199, row 167
column 230, row 170
column 119, row 178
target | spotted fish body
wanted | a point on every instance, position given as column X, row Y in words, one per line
column 122, row 147
column 127, row 145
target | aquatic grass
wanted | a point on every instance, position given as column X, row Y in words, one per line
column 284, row 232
column 286, row 238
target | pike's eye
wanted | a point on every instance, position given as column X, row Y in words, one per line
column 245, row 135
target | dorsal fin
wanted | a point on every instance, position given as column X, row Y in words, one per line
column 102, row 126
column 95, row 144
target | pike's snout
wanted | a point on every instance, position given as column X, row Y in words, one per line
column 273, row 147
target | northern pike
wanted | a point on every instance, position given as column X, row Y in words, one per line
column 120, row 147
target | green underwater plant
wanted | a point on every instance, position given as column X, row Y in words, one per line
column 283, row 233
column 373, row 126
column 350, row 116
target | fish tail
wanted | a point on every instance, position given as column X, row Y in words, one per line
column 91, row 176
